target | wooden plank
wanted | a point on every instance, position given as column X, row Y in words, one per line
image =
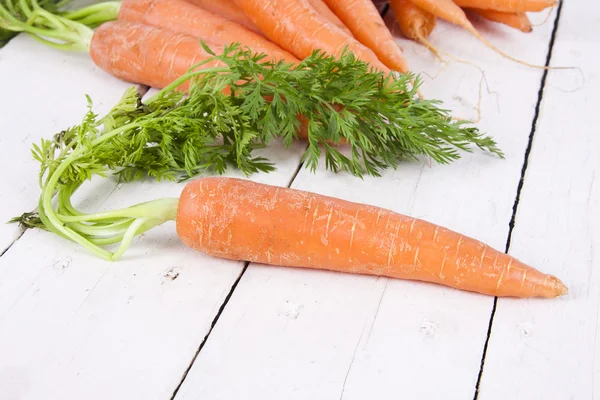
column 547, row 349
column 299, row 334
column 42, row 93
column 74, row 326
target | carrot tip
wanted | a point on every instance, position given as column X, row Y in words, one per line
column 561, row 288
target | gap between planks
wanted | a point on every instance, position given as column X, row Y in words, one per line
column 382, row 12
column 511, row 224
column 222, row 308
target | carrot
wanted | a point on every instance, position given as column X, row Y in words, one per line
column 449, row 11
column 183, row 17
column 146, row 55
column 325, row 11
column 243, row 220
column 514, row 20
column 415, row 23
column 299, row 29
column 366, row 24
column 513, row 6
column 227, row 9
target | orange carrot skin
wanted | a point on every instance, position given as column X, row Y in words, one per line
column 243, row 220
column 507, row 5
column 415, row 23
column 366, row 24
column 151, row 56
column 227, row 9
column 299, row 29
column 183, row 17
column 446, row 10
column 324, row 10
column 514, row 20
column 146, row 55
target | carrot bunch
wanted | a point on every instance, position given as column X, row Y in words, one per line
column 288, row 30
column 322, row 67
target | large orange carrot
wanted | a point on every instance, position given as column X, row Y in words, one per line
column 243, row 220
column 183, row 17
column 298, row 28
column 227, row 9
column 325, row 11
column 366, row 24
column 415, row 23
column 146, row 55
column 507, row 5
column 518, row 21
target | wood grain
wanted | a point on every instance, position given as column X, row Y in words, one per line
column 74, row 326
column 541, row 350
column 299, row 334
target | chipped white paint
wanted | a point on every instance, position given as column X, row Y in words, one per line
column 550, row 350
column 360, row 337
column 73, row 326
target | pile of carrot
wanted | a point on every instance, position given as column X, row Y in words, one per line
column 153, row 41
column 292, row 29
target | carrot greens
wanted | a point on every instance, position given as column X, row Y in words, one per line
column 220, row 122
column 42, row 20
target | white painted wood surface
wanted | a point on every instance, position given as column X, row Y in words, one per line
column 298, row 334
column 548, row 351
column 73, row 326
column 43, row 92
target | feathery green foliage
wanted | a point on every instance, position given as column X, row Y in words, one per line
column 227, row 113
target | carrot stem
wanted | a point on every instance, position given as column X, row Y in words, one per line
column 95, row 14
column 29, row 17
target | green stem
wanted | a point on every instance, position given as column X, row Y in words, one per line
column 165, row 209
column 189, row 75
column 43, row 25
column 61, row 46
column 113, row 229
column 127, row 238
column 64, row 199
column 25, row 7
column 96, row 14
column 151, row 213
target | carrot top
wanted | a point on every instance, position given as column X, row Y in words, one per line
column 342, row 100
column 44, row 21
column 12, row 8
column 224, row 117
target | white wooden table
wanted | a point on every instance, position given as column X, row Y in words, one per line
column 167, row 322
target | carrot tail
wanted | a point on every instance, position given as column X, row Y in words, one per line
column 509, row 6
column 475, row 33
column 518, row 21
